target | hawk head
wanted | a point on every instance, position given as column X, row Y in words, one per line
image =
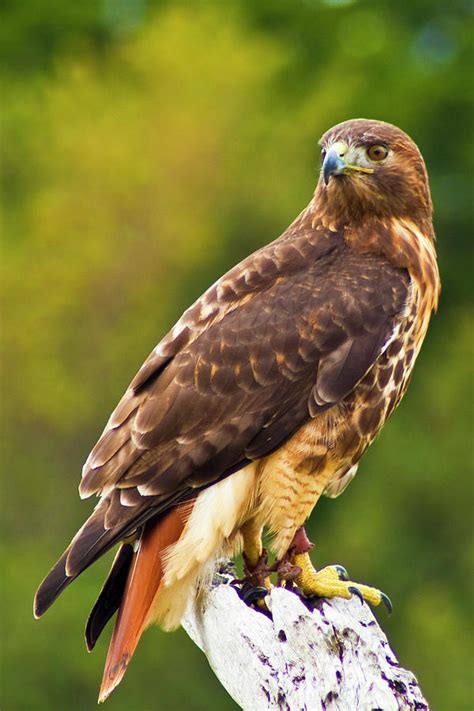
column 372, row 168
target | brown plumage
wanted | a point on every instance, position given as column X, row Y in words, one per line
column 266, row 392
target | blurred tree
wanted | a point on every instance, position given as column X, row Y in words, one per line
column 146, row 149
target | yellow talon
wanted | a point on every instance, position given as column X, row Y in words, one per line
column 328, row 583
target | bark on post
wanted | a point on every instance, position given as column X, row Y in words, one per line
column 328, row 656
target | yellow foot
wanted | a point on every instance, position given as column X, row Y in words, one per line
column 332, row 582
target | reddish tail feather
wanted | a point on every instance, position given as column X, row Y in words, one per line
column 143, row 585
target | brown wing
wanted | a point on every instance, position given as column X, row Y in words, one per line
column 235, row 381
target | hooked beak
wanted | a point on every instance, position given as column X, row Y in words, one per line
column 334, row 163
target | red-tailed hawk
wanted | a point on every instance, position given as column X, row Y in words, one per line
column 263, row 397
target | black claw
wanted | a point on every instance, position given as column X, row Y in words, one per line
column 250, row 593
column 356, row 591
column 387, row 602
column 342, row 572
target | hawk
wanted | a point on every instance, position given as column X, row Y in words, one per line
column 263, row 397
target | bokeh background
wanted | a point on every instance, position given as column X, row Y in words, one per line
column 147, row 147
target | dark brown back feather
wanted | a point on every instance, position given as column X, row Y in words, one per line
column 250, row 369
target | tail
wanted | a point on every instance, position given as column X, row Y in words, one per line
column 110, row 596
column 132, row 585
column 140, row 591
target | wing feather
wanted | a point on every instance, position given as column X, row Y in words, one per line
column 297, row 346
column 280, row 338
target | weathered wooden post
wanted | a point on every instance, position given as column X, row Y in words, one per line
column 329, row 655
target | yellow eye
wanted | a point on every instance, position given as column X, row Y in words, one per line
column 377, row 152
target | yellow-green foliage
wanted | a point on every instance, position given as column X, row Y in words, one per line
column 136, row 170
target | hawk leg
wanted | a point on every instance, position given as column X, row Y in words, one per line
column 331, row 581
column 256, row 582
column 258, row 573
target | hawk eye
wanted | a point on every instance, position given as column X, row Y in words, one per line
column 323, row 154
column 377, row 152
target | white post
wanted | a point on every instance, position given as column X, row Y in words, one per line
column 328, row 656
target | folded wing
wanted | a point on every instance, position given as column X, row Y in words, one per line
column 282, row 337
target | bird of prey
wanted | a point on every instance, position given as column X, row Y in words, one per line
column 262, row 398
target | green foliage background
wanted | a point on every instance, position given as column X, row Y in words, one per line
column 146, row 148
